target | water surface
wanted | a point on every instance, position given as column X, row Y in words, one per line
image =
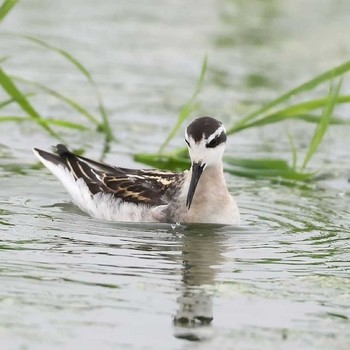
column 280, row 281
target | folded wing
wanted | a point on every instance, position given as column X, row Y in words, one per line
column 149, row 187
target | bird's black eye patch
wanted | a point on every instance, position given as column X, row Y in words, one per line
column 213, row 143
column 217, row 141
column 188, row 144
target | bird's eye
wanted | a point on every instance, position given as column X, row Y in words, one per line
column 188, row 144
column 213, row 143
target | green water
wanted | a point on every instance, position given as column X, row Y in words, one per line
column 280, row 281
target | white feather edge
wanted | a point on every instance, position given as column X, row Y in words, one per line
column 101, row 205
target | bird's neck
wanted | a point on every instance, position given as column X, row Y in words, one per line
column 212, row 201
column 212, row 177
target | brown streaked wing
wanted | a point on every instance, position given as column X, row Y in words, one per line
column 145, row 187
column 152, row 187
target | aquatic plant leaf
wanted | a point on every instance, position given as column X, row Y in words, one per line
column 162, row 161
column 308, row 85
column 322, row 126
column 297, row 111
column 188, row 107
column 255, row 168
column 272, row 173
column 80, row 67
column 107, row 129
column 272, row 119
column 12, row 90
column 12, row 100
column 12, row 118
column 66, row 124
column 277, row 164
column 316, row 119
column 69, row 101
column 52, row 121
column 306, row 107
column 6, row 7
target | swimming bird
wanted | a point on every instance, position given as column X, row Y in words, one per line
column 197, row 195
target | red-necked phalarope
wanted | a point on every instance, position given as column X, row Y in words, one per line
column 198, row 195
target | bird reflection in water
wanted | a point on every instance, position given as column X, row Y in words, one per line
column 202, row 250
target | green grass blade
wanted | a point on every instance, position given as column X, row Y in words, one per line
column 264, row 168
column 323, row 124
column 11, row 89
column 311, row 118
column 299, row 111
column 66, row 124
column 310, row 84
column 272, row 119
column 306, row 107
column 161, row 161
column 11, row 100
column 189, row 106
column 277, row 164
column 52, row 121
column 61, row 97
column 6, row 7
column 106, row 126
column 270, row 173
column 12, row 118
column 252, row 168
column 13, row 92
column 62, row 52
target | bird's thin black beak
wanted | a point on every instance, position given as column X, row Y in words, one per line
column 197, row 170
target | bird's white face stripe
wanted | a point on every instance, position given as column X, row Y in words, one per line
column 217, row 133
column 206, row 141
